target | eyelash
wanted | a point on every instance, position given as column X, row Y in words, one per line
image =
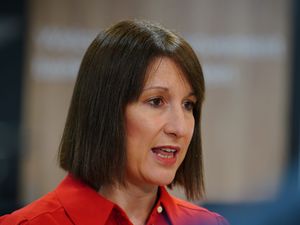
column 158, row 101
column 153, row 101
column 191, row 105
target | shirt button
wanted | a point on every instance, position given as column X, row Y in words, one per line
column 159, row 209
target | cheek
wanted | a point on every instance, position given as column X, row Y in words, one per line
column 135, row 126
column 139, row 123
column 138, row 128
column 131, row 122
column 191, row 129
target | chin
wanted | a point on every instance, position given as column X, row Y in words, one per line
column 163, row 180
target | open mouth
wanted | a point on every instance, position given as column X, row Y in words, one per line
column 165, row 152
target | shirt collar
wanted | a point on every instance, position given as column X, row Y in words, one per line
column 83, row 204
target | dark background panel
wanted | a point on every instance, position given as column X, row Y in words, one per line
column 12, row 38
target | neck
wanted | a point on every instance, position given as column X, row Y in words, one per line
column 136, row 201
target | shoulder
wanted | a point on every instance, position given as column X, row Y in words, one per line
column 42, row 211
column 195, row 214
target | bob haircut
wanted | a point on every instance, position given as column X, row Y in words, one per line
column 111, row 75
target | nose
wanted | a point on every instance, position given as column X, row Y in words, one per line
column 177, row 123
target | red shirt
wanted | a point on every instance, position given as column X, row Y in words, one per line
column 73, row 202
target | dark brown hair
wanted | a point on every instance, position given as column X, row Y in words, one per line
column 111, row 75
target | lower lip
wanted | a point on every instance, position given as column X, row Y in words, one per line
column 165, row 161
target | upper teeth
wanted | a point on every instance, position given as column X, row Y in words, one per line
column 168, row 150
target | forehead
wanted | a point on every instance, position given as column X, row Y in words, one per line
column 164, row 71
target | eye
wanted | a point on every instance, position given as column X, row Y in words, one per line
column 189, row 105
column 156, row 102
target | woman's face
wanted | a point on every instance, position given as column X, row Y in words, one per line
column 159, row 125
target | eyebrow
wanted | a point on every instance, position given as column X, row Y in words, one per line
column 166, row 90
column 156, row 87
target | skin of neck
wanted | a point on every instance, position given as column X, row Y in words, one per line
column 136, row 201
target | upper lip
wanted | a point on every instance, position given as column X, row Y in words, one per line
column 176, row 148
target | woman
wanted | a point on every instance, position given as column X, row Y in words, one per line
column 133, row 127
